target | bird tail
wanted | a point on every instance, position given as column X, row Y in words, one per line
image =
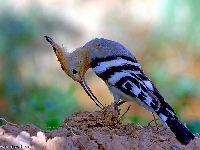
column 181, row 132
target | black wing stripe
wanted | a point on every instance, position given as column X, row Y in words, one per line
column 96, row 61
column 112, row 70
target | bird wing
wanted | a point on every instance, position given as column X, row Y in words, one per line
column 126, row 74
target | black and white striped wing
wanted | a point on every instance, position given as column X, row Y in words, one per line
column 126, row 74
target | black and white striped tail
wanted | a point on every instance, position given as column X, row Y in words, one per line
column 168, row 116
column 181, row 132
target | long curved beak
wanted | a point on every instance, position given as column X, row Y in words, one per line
column 90, row 94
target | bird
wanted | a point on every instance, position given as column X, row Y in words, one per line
column 124, row 76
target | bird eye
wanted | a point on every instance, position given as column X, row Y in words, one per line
column 74, row 71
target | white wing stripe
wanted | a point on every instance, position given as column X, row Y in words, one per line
column 117, row 76
column 149, row 85
column 103, row 66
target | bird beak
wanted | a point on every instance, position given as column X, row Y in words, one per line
column 90, row 94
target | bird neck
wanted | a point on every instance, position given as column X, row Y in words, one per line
column 82, row 54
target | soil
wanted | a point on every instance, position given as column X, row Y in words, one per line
column 99, row 130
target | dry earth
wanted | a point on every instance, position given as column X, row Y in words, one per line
column 99, row 130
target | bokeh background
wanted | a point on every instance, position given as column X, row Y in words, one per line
column 162, row 34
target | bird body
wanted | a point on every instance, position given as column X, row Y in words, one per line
column 123, row 75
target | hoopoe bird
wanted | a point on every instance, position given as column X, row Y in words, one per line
column 123, row 75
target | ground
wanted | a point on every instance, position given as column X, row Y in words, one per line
column 99, row 130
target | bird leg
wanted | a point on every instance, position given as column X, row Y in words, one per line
column 154, row 119
column 118, row 103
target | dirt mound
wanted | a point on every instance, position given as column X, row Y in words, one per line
column 92, row 131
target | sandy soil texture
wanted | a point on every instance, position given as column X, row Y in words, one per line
column 99, row 130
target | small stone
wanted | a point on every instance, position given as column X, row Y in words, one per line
column 162, row 138
column 174, row 147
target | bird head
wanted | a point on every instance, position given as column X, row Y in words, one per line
column 74, row 64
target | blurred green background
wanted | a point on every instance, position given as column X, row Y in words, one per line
column 163, row 35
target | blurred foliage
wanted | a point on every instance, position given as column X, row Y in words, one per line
column 28, row 102
column 194, row 126
column 170, row 46
column 179, row 33
column 180, row 23
column 45, row 107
